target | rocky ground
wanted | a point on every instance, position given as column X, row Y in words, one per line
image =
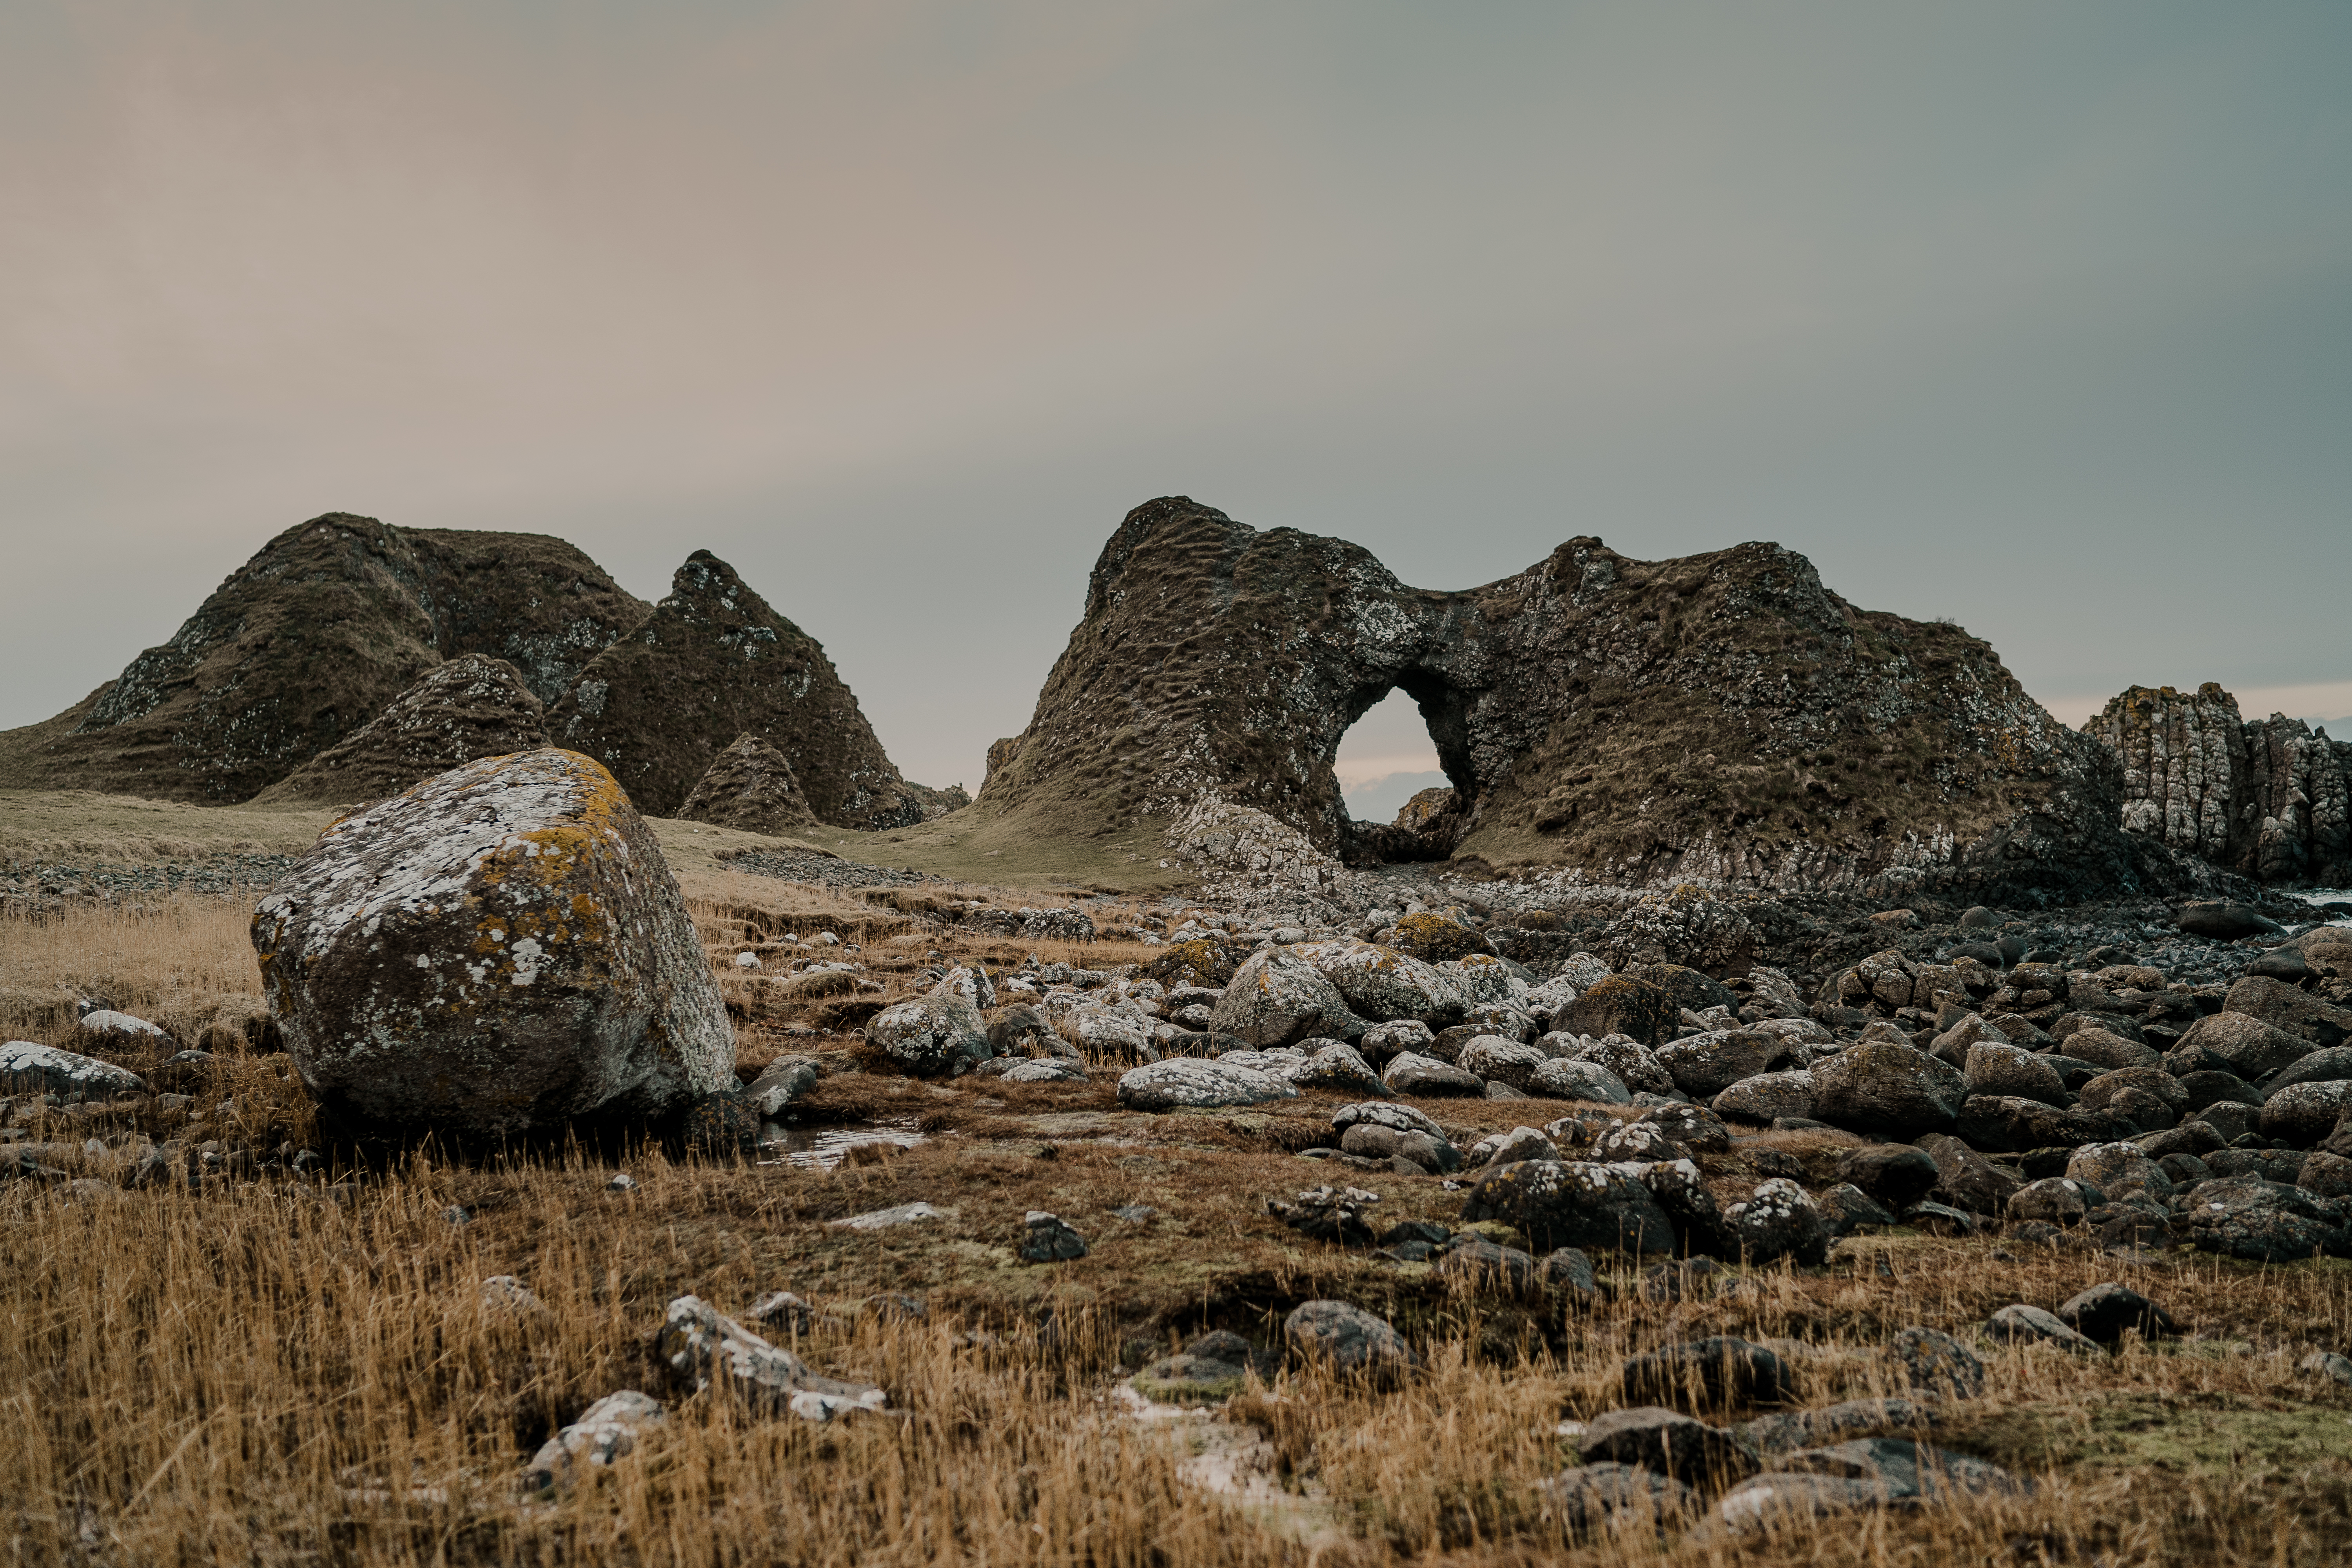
column 1629, row 1224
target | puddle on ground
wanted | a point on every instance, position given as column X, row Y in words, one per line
column 823, row 1148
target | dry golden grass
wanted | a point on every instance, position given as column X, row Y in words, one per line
column 268, row 1370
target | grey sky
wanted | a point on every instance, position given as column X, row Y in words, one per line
column 2037, row 316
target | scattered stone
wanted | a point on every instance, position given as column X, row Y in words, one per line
column 1879, row 1086
column 607, row 1431
column 1276, row 997
column 1779, row 1221
column 1411, row 1073
column 1348, row 1338
column 2327, row 1364
column 780, row 1083
column 2105, row 1312
column 1787, row 1432
column 883, row 1219
column 1612, row 1499
column 1668, row 1442
column 1336, row 1215
column 2303, row 1114
column 1932, row 1362
column 1188, row 1082
column 707, row 1349
column 2053, row 1200
column 2246, row 1217
column 1049, row 1241
column 1846, row 1209
column 2024, row 1324
column 1894, row 1173
column 28, row 1068
column 1620, row 1005
column 1706, row 1373
column 1557, row 1203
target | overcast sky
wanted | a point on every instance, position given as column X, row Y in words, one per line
column 2038, row 316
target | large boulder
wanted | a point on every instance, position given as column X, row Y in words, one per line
column 1622, row 1006
column 2246, row 1217
column 1277, row 998
column 28, row 1068
column 2291, row 1008
column 2303, row 1114
column 1998, row 1070
column 2251, row 1047
column 1556, row 1204
column 1187, row 1081
column 497, row 948
column 1705, row 1065
column 1348, row 1339
column 1881, row 1087
column 1382, row 984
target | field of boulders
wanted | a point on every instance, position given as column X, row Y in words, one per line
column 520, row 1208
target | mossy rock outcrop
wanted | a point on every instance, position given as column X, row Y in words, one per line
column 474, row 706
column 1722, row 717
column 310, row 641
column 714, row 662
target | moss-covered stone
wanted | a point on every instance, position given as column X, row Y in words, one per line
column 1433, row 939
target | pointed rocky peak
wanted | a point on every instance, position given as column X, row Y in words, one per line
column 308, row 641
column 714, row 662
column 749, row 788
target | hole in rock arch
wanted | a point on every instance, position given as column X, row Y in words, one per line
column 1408, row 740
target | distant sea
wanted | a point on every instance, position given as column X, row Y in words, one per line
column 2329, row 896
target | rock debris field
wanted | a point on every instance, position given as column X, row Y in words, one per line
column 1697, row 1223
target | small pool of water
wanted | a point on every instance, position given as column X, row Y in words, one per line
column 2328, row 895
column 823, row 1148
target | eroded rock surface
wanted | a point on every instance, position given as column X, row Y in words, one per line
column 474, row 706
column 499, row 949
column 713, row 662
column 311, row 639
column 1722, row 715
column 750, row 787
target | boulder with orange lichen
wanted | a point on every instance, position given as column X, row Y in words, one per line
column 499, row 950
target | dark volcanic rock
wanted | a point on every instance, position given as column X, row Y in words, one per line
column 311, row 639
column 474, row 706
column 2265, row 797
column 713, row 662
column 1721, row 715
column 751, row 787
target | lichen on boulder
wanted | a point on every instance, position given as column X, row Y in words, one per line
column 495, row 950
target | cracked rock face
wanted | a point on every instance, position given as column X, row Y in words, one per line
column 474, row 706
column 499, row 949
column 714, row 662
column 1720, row 716
column 2264, row 797
column 310, row 640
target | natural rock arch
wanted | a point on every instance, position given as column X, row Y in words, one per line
column 1722, row 715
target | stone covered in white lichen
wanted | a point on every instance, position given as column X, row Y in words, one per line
column 499, row 949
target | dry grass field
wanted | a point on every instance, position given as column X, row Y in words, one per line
column 261, row 1368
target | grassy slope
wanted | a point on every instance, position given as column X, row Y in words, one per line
column 75, row 826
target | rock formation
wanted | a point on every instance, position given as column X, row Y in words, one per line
column 711, row 663
column 2265, row 797
column 310, row 640
column 1719, row 716
column 749, row 788
column 474, row 706
column 496, row 952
